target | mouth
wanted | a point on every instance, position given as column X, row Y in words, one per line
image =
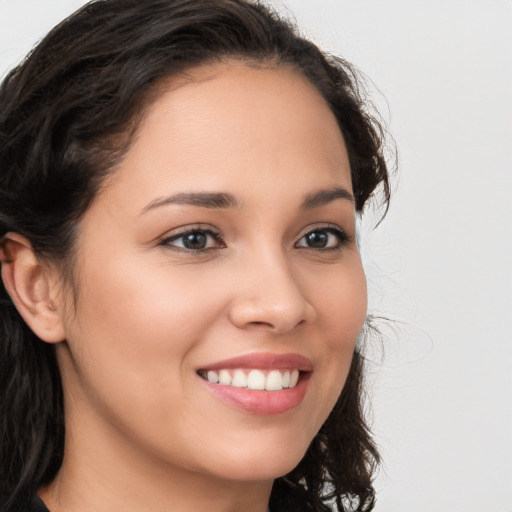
column 255, row 379
column 263, row 384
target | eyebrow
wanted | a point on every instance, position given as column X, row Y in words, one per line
column 213, row 200
column 322, row 197
column 221, row 200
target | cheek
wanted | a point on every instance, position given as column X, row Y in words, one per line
column 129, row 362
column 134, row 329
column 341, row 305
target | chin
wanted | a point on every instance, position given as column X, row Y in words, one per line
column 260, row 464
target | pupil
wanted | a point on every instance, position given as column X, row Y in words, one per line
column 195, row 241
column 317, row 239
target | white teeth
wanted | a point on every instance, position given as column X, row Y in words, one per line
column 213, row 376
column 239, row 379
column 256, row 379
column 273, row 380
column 224, row 377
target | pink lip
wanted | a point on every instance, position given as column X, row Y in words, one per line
column 256, row 401
column 264, row 361
column 260, row 402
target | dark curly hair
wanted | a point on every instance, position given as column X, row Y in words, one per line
column 67, row 114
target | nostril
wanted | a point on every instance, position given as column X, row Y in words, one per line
column 260, row 324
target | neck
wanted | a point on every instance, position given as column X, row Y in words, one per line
column 103, row 471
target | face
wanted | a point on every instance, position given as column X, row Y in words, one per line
column 219, row 259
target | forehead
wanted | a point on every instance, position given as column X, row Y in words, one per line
column 233, row 125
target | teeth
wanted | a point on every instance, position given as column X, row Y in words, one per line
column 224, row 377
column 273, row 380
column 213, row 376
column 294, row 377
column 256, row 379
column 239, row 379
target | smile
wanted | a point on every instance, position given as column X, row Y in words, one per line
column 255, row 379
column 259, row 383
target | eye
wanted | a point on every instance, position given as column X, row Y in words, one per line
column 194, row 240
column 323, row 238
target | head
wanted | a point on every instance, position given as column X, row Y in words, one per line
column 78, row 118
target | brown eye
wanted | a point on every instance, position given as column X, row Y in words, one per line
column 194, row 240
column 325, row 238
column 317, row 239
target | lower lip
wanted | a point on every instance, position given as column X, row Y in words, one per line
column 259, row 401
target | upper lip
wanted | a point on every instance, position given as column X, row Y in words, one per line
column 264, row 361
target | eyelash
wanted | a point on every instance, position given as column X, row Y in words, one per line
column 170, row 241
column 340, row 235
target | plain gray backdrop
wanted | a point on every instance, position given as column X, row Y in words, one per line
column 441, row 262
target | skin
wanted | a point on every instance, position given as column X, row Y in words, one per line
column 142, row 429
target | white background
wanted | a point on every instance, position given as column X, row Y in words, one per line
column 441, row 263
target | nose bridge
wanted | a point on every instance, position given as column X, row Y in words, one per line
column 269, row 294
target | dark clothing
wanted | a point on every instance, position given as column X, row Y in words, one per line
column 284, row 498
column 287, row 497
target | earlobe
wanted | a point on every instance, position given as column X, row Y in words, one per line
column 29, row 284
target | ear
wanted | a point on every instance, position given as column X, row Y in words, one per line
column 32, row 288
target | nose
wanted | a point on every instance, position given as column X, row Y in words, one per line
column 269, row 296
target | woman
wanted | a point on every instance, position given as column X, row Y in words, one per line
column 182, row 288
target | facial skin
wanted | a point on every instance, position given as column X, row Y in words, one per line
column 142, row 427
